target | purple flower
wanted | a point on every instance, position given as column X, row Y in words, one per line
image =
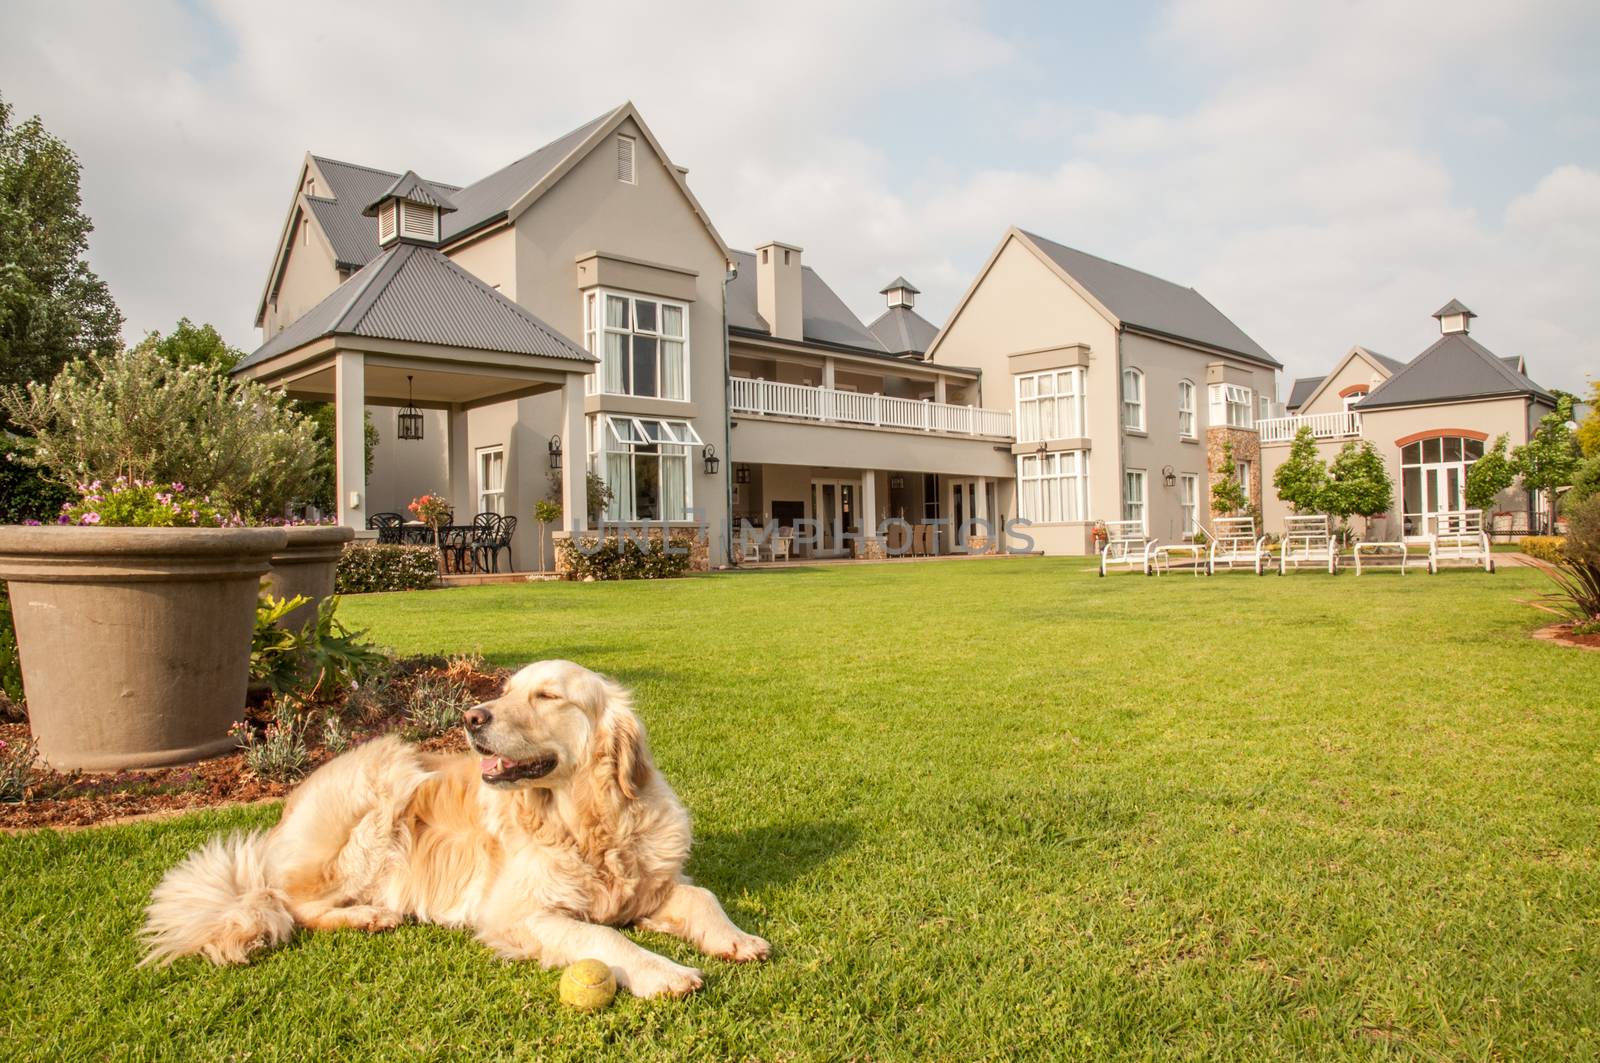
column 30, row 522
column 90, row 518
column 177, row 487
column 63, row 519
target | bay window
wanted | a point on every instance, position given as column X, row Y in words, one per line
column 1053, row 487
column 642, row 344
column 1230, row 405
column 1050, row 405
column 645, row 462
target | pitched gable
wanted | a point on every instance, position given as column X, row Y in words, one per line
column 1456, row 367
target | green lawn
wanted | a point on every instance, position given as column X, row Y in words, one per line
column 981, row 809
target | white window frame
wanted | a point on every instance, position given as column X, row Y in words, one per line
column 1242, row 470
column 1053, row 488
column 1189, row 502
column 1136, row 509
column 1232, row 405
column 1448, row 475
column 595, row 318
column 1051, row 389
column 1187, row 414
column 491, row 500
column 1133, row 407
column 617, row 445
column 1351, row 399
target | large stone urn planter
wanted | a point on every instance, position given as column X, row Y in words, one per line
column 307, row 565
column 135, row 642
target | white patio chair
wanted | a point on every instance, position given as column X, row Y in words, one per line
column 1234, row 542
column 1127, row 545
column 1459, row 536
column 783, row 544
column 1307, row 539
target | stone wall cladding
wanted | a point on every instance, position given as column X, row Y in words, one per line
column 699, row 547
column 1246, row 447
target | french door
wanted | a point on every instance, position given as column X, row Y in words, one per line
column 835, row 505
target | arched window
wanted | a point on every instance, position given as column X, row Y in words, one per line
column 1186, row 409
column 1133, row 400
column 1352, row 395
column 1433, row 474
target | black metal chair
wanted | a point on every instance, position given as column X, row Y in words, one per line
column 486, row 554
column 388, row 526
column 455, row 546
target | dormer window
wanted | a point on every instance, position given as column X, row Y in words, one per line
column 625, row 172
column 409, row 210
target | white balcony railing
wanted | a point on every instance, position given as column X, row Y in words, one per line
column 1341, row 425
column 769, row 397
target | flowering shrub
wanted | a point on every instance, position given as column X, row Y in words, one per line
column 279, row 753
column 624, row 558
column 368, row 566
column 433, row 510
column 142, row 504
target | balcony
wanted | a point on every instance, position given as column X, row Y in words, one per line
column 1323, row 426
column 831, row 405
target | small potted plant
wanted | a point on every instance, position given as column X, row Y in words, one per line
column 432, row 510
column 133, row 618
column 1100, row 535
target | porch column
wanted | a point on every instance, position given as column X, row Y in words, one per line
column 457, row 469
column 827, row 395
column 574, row 458
column 869, row 507
column 981, row 505
column 350, row 437
column 938, row 388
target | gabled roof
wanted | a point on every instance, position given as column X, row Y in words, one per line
column 411, row 292
column 1301, row 390
column 1456, row 367
column 409, row 186
column 824, row 316
column 1306, row 389
column 351, row 188
column 902, row 330
column 1146, row 303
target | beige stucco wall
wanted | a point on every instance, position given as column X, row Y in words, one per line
column 1356, row 369
column 308, row 276
column 758, row 439
column 403, row 470
column 493, row 260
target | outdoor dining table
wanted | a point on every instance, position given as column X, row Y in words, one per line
column 419, row 533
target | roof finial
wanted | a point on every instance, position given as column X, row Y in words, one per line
column 1453, row 317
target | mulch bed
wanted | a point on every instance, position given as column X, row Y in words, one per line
column 84, row 799
column 1562, row 633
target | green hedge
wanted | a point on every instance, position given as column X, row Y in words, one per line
column 1544, row 547
column 623, row 558
column 367, row 566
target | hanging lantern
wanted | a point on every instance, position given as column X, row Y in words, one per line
column 410, row 417
column 741, row 474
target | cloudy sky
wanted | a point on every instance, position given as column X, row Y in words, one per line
column 1327, row 174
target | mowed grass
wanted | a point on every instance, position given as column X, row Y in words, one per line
column 982, row 809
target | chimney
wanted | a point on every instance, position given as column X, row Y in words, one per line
column 778, row 297
column 1453, row 317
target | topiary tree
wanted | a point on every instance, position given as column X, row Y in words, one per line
column 1358, row 483
column 1303, row 477
column 546, row 511
column 1548, row 460
column 1490, row 475
column 1227, row 494
column 136, row 414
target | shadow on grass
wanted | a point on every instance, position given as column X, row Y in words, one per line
column 761, row 858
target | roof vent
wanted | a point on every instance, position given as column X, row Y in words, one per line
column 625, row 146
column 900, row 292
column 409, row 210
column 1453, row 317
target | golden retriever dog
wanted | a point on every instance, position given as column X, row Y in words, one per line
column 556, row 831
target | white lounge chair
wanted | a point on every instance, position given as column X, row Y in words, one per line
column 1126, row 544
column 1234, row 542
column 1307, row 539
column 1459, row 536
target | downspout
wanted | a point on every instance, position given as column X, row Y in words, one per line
column 727, row 418
column 1121, row 438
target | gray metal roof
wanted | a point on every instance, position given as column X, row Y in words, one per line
column 1455, row 367
column 411, row 292
column 490, row 198
column 1454, row 306
column 902, row 330
column 1394, row 365
column 1301, row 391
column 900, row 282
column 825, row 318
column 350, row 188
column 1148, row 303
column 409, row 186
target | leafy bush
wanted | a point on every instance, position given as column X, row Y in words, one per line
column 1358, row 483
column 1577, row 574
column 366, row 566
column 321, row 658
column 434, row 706
column 1547, row 548
column 279, row 753
column 142, row 504
column 619, row 557
column 25, row 493
column 1490, row 475
column 137, row 415
column 16, row 769
column 10, row 662
column 1303, row 477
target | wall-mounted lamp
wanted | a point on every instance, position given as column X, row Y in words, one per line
column 710, row 457
column 1169, row 477
column 555, row 452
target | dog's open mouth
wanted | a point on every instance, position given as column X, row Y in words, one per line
column 499, row 769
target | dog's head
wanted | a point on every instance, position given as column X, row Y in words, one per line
column 553, row 720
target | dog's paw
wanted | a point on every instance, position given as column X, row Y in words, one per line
column 372, row 919
column 666, row 979
column 742, row 948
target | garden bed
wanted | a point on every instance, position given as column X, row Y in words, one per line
column 82, row 799
column 1562, row 634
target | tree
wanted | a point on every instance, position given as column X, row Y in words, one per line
column 191, row 344
column 1490, row 475
column 1358, row 483
column 546, row 511
column 1549, row 459
column 1227, row 494
column 1303, row 477
column 1589, row 430
column 135, row 414
column 52, row 306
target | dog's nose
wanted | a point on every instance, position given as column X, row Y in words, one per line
column 475, row 718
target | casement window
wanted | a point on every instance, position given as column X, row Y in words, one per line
column 642, row 344
column 1053, row 487
column 645, row 463
column 1433, row 477
column 1050, row 405
column 1133, row 400
column 625, row 152
column 1231, row 406
column 1186, row 425
column 492, row 480
column 1242, row 470
column 1189, row 502
column 1133, row 498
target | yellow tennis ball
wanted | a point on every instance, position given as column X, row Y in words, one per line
column 588, row 985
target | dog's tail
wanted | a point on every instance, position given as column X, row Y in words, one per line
column 217, row 904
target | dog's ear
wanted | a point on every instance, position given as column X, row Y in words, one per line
column 623, row 753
